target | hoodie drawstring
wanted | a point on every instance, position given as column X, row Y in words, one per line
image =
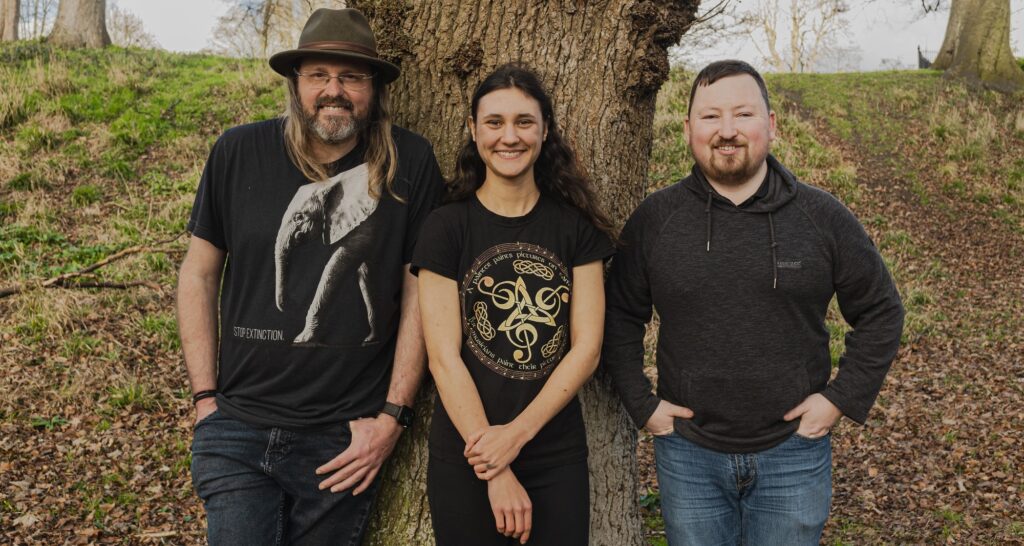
column 707, row 212
column 775, row 263
column 771, row 230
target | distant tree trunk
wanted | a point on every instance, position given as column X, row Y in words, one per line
column 977, row 45
column 9, row 11
column 603, row 61
column 80, row 23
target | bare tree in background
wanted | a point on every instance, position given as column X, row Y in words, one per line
column 258, row 28
column 36, row 18
column 977, row 45
column 9, row 12
column 80, row 23
column 127, row 30
column 719, row 21
column 795, row 35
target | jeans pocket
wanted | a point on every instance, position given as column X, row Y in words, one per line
column 821, row 438
column 206, row 419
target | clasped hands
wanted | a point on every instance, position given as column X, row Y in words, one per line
column 817, row 416
column 490, row 450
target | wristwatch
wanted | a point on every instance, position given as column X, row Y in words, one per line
column 403, row 414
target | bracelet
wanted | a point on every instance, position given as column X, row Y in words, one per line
column 203, row 394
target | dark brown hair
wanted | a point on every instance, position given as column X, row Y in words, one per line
column 557, row 171
column 723, row 69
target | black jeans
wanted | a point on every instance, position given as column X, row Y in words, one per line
column 259, row 485
column 461, row 511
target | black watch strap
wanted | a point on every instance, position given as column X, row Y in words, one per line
column 403, row 414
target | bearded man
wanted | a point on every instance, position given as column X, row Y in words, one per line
column 302, row 232
column 740, row 261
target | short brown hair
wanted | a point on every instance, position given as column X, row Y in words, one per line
column 723, row 69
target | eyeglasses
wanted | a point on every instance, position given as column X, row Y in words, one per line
column 349, row 82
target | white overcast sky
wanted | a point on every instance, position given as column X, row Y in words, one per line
column 883, row 29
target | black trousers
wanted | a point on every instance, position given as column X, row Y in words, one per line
column 462, row 516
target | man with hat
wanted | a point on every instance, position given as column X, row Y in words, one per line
column 302, row 231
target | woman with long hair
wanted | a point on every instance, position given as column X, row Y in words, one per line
column 512, row 300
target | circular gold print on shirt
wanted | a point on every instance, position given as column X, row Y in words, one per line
column 515, row 310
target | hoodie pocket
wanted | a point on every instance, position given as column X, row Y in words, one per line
column 744, row 404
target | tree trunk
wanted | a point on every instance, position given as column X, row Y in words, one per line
column 603, row 61
column 80, row 23
column 957, row 16
column 9, row 10
column 977, row 45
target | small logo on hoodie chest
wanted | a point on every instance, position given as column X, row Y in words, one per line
column 790, row 265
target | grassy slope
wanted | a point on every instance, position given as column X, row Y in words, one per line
column 102, row 150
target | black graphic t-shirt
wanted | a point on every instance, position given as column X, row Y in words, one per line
column 515, row 288
column 310, row 299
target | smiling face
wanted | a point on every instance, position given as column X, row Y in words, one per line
column 333, row 113
column 509, row 132
column 729, row 130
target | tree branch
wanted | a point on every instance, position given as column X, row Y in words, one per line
column 72, row 279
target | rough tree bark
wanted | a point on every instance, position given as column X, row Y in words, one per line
column 976, row 47
column 604, row 61
column 9, row 10
column 80, row 23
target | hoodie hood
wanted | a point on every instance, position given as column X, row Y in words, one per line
column 781, row 190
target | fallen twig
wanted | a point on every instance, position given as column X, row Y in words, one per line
column 68, row 280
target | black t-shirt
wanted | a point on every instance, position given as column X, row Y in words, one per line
column 311, row 292
column 515, row 286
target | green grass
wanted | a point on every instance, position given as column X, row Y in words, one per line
column 164, row 327
column 932, row 128
column 111, row 141
column 131, row 394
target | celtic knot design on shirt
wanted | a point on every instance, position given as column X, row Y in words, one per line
column 524, row 311
column 529, row 267
column 483, row 323
column 514, row 309
column 552, row 346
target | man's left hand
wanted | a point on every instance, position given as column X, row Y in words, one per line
column 373, row 438
column 816, row 414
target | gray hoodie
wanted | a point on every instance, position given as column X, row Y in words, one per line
column 742, row 293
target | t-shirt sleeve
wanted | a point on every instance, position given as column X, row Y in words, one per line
column 592, row 244
column 438, row 247
column 427, row 189
column 207, row 221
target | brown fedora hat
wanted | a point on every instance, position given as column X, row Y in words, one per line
column 340, row 33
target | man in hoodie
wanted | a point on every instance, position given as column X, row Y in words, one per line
column 740, row 260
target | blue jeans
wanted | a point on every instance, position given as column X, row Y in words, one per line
column 777, row 496
column 259, row 485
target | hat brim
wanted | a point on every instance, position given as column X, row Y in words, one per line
column 283, row 62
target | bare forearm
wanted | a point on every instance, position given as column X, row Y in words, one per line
column 459, row 395
column 410, row 352
column 198, row 290
column 197, row 326
column 567, row 379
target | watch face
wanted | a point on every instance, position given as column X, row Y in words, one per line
column 405, row 416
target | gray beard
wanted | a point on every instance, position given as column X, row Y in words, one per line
column 337, row 129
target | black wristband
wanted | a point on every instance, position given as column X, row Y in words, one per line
column 203, row 394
